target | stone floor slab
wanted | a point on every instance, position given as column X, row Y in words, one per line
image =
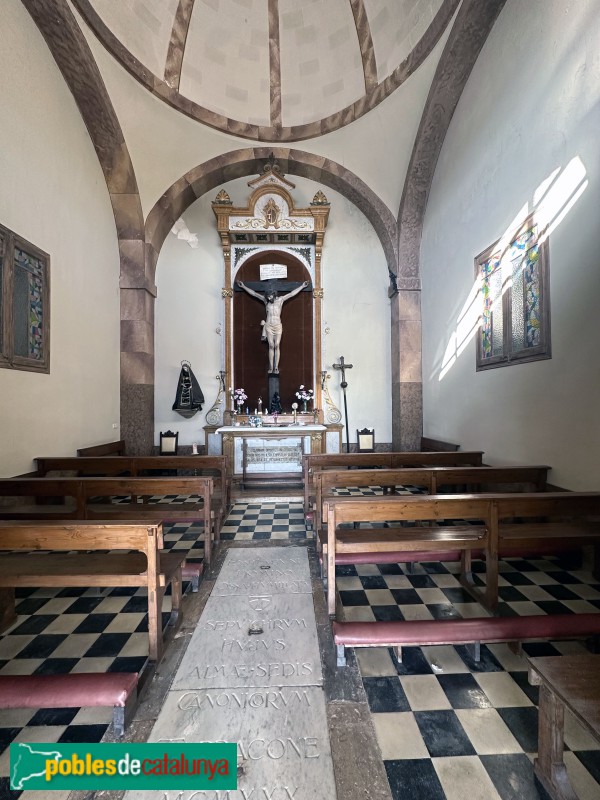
column 239, row 642
column 264, row 572
column 281, row 733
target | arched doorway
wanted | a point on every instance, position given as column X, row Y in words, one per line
column 250, row 354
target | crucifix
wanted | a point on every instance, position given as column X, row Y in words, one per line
column 342, row 366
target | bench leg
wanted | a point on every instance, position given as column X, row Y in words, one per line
column 397, row 651
column 8, row 614
column 341, row 655
column 330, row 581
column 516, row 648
column 122, row 715
column 474, row 650
column 207, row 540
column 466, row 566
column 218, row 521
column 549, row 767
column 176, row 592
column 155, row 638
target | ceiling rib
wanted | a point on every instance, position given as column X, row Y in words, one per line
column 365, row 41
column 275, row 64
column 181, row 26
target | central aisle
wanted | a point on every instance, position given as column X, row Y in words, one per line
column 252, row 675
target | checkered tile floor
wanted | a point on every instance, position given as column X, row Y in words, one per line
column 447, row 727
column 265, row 521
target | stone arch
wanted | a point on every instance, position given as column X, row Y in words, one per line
column 249, row 161
column 471, row 28
column 57, row 24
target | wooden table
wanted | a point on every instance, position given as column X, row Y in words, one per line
column 571, row 682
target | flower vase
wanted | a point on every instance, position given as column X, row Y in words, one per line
column 304, row 406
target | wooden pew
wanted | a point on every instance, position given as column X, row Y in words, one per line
column 513, row 522
column 471, row 631
column 311, row 463
column 430, row 479
column 107, row 449
column 431, row 538
column 541, row 523
column 147, row 565
column 74, row 690
column 139, row 466
column 428, row 444
column 91, row 498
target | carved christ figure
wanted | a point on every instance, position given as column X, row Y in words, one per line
column 272, row 326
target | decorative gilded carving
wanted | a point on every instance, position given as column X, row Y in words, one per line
column 319, row 199
column 332, row 413
column 215, row 415
column 222, row 199
column 226, row 293
column 318, row 294
column 271, row 164
column 273, row 220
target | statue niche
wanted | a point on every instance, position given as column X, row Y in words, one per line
column 283, row 360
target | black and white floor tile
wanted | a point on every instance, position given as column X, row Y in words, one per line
column 450, row 727
column 446, row 726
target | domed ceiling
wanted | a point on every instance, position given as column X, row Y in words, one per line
column 273, row 70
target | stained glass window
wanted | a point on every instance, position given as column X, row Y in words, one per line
column 513, row 280
column 24, row 305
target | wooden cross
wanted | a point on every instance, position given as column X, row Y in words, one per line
column 343, row 367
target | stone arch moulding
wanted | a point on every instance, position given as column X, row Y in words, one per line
column 166, row 87
column 57, row 24
column 250, row 161
column 471, row 28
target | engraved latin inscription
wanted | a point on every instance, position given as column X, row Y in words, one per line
column 236, row 625
column 256, row 645
column 278, row 669
column 277, row 699
column 254, row 793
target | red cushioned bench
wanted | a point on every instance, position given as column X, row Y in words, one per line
column 472, row 631
column 74, row 690
column 191, row 571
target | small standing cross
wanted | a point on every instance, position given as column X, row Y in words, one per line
column 343, row 367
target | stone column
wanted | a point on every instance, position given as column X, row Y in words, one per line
column 407, row 382
column 137, row 347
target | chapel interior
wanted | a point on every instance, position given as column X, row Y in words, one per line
column 266, row 232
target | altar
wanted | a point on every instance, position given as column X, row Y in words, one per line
column 270, row 454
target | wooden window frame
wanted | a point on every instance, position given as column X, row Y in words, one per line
column 8, row 358
column 543, row 349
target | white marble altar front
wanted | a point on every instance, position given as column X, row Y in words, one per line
column 271, row 449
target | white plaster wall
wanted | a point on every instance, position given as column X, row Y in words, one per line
column 529, row 108
column 52, row 192
column 355, row 308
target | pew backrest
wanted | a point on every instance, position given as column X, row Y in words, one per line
column 137, row 466
column 106, row 449
column 431, row 479
column 311, row 463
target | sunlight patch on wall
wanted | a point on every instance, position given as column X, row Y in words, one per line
column 551, row 202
